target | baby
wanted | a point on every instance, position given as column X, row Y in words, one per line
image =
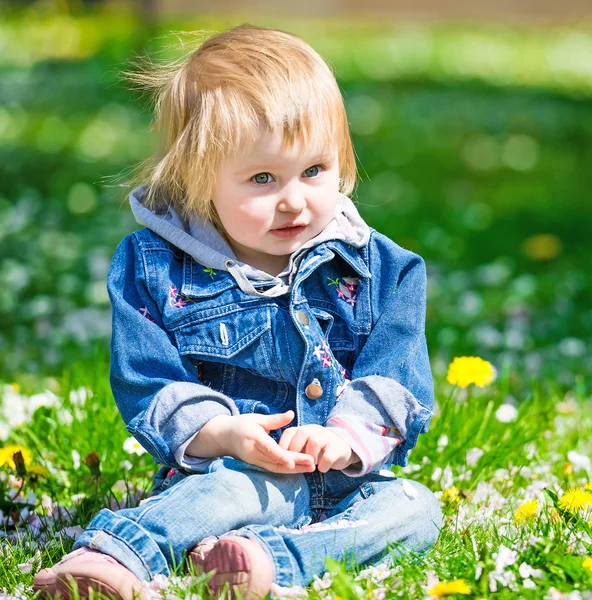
column 268, row 346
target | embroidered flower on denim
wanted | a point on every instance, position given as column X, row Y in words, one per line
column 345, row 288
column 210, row 271
column 178, row 300
column 323, row 353
column 146, row 313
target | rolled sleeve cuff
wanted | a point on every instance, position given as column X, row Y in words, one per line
column 372, row 443
column 420, row 425
column 381, row 401
column 175, row 416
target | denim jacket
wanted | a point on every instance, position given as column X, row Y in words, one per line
column 338, row 337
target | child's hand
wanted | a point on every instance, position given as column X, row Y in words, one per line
column 316, row 440
column 247, row 439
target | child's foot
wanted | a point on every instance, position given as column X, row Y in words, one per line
column 242, row 563
column 88, row 569
column 198, row 553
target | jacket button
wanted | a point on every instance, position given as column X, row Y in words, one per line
column 313, row 390
column 302, row 317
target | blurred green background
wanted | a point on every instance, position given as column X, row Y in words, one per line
column 473, row 144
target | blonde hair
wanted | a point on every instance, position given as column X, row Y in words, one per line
column 209, row 102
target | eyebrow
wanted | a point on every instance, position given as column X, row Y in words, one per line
column 258, row 167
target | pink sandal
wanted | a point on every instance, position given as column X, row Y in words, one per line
column 88, row 569
column 238, row 561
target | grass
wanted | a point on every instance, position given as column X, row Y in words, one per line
column 479, row 161
column 481, row 468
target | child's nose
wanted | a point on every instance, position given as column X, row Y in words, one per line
column 293, row 201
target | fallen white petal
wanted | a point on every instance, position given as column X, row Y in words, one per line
column 409, row 490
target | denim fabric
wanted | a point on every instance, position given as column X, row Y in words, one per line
column 299, row 519
column 189, row 343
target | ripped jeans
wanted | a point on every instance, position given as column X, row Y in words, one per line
column 299, row 519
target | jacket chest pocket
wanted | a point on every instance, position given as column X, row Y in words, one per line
column 233, row 335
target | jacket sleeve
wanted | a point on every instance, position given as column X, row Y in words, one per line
column 390, row 398
column 156, row 390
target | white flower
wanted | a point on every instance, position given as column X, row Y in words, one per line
column 25, row 567
column 533, row 540
column 473, row 456
column 324, row 583
column 447, row 478
column 46, row 398
column 526, row 571
column 47, row 504
column 376, row 573
column 442, row 442
column 76, row 459
column 79, row 396
column 579, row 461
column 132, row 446
column 529, row 584
column 437, row 474
column 506, row 413
column 504, row 557
column 65, row 416
column 492, row 582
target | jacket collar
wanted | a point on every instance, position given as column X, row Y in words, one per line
column 203, row 282
column 351, row 255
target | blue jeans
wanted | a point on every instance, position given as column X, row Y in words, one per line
column 298, row 519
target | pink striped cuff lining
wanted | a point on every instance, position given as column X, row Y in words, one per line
column 345, row 425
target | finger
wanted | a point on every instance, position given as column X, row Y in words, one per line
column 300, row 458
column 313, row 448
column 276, row 421
column 269, row 448
column 279, row 468
column 299, row 440
column 287, row 436
column 328, row 460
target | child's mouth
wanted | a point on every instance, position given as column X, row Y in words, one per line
column 288, row 232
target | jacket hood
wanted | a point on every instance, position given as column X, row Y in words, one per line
column 204, row 243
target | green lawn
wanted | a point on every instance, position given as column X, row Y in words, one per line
column 477, row 159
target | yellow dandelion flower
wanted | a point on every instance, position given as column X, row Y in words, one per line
column 450, row 494
column 567, row 468
column 526, row 511
column 588, row 486
column 575, row 499
column 15, row 387
column 7, row 453
column 587, row 564
column 464, row 370
column 544, row 246
column 448, row 588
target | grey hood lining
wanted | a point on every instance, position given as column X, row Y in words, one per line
column 204, row 243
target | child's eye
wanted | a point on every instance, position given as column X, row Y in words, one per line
column 319, row 167
column 259, row 178
column 256, row 180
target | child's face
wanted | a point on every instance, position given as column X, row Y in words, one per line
column 262, row 188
